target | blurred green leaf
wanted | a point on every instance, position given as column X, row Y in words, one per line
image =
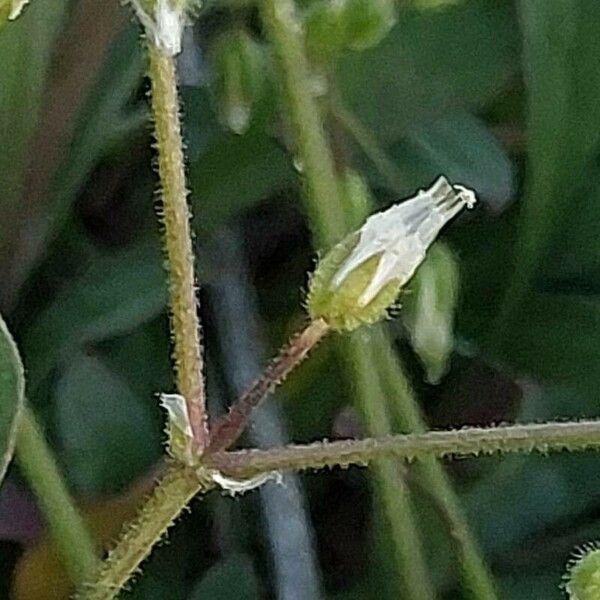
column 233, row 577
column 235, row 172
column 12, row 390
column 532, row 587
column 563, row 85
column 461, row 147
column 117, row 292
column 105, row 433
column 25, row 52
column 106, row 118
column 432, row 63
column 522, row 498
column 556, row 338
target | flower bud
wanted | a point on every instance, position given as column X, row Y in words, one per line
column 324, row 30
column 428, row 310
column 367, row 22
column 360, row 278
column 238, row 64
column 583, row 576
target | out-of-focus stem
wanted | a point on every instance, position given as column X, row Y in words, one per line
column 67, row 528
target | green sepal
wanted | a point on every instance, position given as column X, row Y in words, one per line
column 339, row 306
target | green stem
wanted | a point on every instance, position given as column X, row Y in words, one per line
column 185, row 322
column 67, row 528
column 170, row 496
column 467, row 442
column 328, row 220
column 476, row 574
column 285, row 31
column 368, row 144
column 391, row 486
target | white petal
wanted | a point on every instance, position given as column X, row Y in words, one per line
column 401, row 235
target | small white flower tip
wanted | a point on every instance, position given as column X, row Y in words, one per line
column 400, row 235
column 17, row 9
column 241, row 486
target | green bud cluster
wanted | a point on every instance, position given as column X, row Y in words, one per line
column 333, row 26
column 238, row 77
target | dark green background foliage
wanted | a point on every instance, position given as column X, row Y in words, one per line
column 502, row 96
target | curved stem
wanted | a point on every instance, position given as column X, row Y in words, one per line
column 67, row 528
column 538, row 437
column 185, row 322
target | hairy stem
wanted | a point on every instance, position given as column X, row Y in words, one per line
column 478, row 579
column 180, row 483
column 537, row 437
column 170, row 496
column 284, row 30
column 67, row 528
column 226, row 431
column 185, row 322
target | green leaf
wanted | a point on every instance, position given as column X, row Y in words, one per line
column 105, row 433
column 105, row 119
column 460, row 146
column 431, row 63
column 555, row 339
column 233, row 577
column 563, row 132
column 25, row 52
column 119, row 291
column 12, row 391
column 235, row 172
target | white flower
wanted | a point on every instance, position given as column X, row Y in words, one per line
column 401, row 235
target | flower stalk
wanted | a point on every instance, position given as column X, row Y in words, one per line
column 226, row 431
